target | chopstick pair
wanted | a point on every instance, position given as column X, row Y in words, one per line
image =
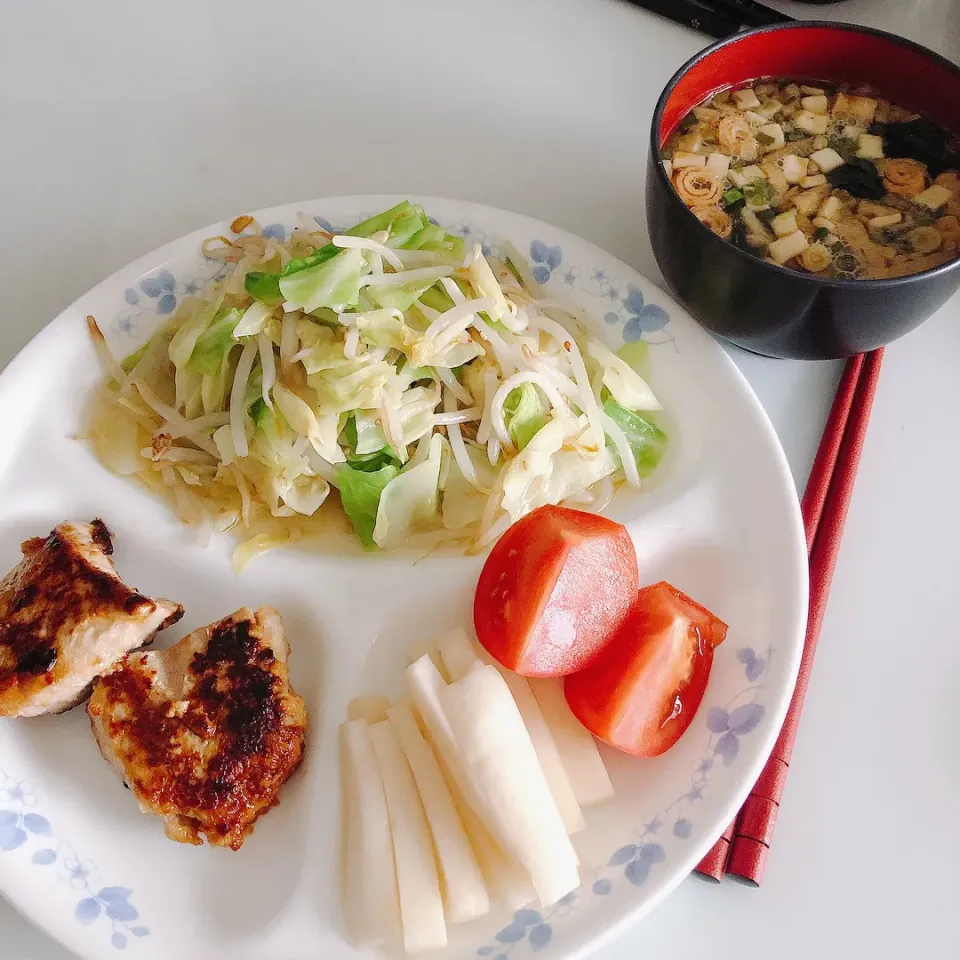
column 716, row 18
column 743, row 848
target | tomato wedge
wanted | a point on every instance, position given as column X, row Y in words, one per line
column 553, row 591
column 642, row 692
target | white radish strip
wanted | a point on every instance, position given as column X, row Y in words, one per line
column 505, row 877
column 458, row 654
column 370, row 899
column 578, row 750
column 464, row 892
column 465, row 415
column 269, row 367
column 457, row 446
column 511, row 383
column 363, row 243
column 459, row 312
column 503, row 767
column 448, row 379
column 371, row 707
column 421, row 906
column 624, row 450
column 289, row 341
column 587, row 402
column 238, row 392
column 404, row 277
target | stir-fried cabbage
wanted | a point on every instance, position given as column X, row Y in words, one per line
column 426, row 386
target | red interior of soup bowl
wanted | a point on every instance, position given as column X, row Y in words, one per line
column 903, row 72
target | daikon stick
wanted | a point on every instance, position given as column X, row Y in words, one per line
column 421, row 906
column 371, row 707
column 578, row 750
column 498, row 755
column 464, row 892
column 370, row 896
column 458, row 654
column 506, row 878
column 547, row 751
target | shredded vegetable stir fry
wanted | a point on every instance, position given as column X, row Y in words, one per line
column 431, row 387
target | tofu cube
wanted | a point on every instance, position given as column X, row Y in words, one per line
column 827, row 159
column 812, row 123
column 787, row 247
column 831, row 208
column 878, row 223
column 817, row 180
column 755, row 119
column 933, row 197
column 770, row 109
column 861, row 109
column 794, row 168
column 825, row 223
column 817, row 103
column 775, row 132
column 682, row 159
column 746, row 99
column 785, row 223
column 808, row 202
column 718, row 163
column 744, row 176
column 870, row 147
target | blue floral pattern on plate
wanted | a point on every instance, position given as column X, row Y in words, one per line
column 23, row 829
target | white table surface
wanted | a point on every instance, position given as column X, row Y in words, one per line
column 126, row 124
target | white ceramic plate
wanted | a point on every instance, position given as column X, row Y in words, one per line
column 720, row 521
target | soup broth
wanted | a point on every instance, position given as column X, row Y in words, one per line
column 822, row 179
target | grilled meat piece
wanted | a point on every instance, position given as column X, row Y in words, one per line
column 66, row 617
column 207, row 732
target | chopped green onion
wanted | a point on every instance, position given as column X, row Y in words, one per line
column 732, row 196
column 820, row 233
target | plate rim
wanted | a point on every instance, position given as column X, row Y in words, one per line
column 793, row 645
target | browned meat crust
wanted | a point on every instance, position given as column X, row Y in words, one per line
column 209, row 742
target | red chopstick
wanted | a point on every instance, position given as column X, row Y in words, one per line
column 742, row 849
